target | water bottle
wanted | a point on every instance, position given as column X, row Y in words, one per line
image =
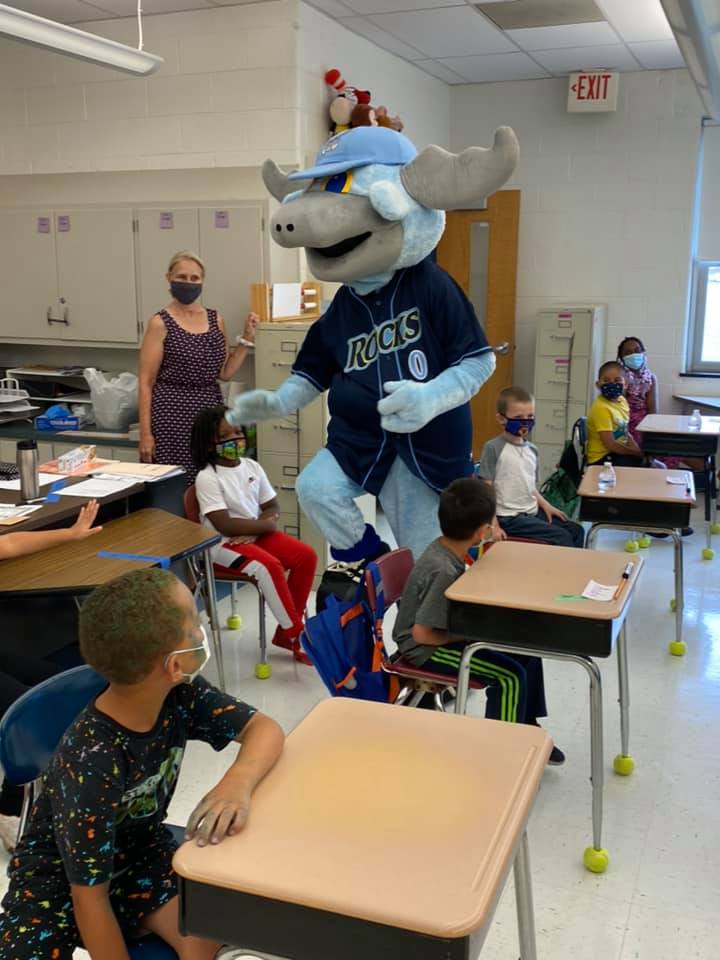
column 27, row 464
column 695, row 420
column 606, row 477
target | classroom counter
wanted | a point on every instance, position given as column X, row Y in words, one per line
column 24, row 430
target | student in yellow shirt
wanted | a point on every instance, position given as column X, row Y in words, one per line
column 608, row 421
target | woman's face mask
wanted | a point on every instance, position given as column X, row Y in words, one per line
column 231, row 449
column 184, row 292
column 634, row 361
column 612, row 391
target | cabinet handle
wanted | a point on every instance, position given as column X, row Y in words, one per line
column 64, row 321
column 554, row 426
column 560, row 336
column 66, row 313
column 291, row 429
column 286, row 487
column 278, row 363
column 563, row 382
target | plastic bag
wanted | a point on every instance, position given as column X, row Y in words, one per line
column 115, row 400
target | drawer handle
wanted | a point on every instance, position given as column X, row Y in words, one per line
column 280, row 363
column 286, row 487
column 293, row 531
column 277, row 426
column 561, row 336
column 563, row 382
column 553, row 426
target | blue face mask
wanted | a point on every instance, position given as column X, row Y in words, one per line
column 519, row 426
column 634, row 361
column 612, row 391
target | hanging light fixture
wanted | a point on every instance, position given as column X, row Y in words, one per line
column 68, row 41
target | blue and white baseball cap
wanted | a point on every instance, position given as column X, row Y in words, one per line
column 358, row 148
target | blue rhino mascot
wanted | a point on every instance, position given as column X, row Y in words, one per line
column 400, row 350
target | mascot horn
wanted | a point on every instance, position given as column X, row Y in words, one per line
column 400, row 349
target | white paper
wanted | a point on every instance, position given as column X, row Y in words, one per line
column 679, row 481
column 43, row 480
column 286, row 300
column 10, row 513
column 599, row 591
column 97, row 488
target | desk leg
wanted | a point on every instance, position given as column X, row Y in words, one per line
column 678, row 647
column 524, row 901
column 623, row 763
column 212, row 612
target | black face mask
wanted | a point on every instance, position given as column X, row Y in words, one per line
column 185, row 293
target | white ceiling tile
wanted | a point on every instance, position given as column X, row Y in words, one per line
column 494, row 67
column 437, row 69
column 380, row 37
column 333, row 8
column 571, row 35
column 390, row 6
column 447, row 32
column 587, row 58
column 658, row 55
column 128, row 8
column 62, row 11
column 637, row 20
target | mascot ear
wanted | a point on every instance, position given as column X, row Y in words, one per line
column 276, row 182
column 388, row 200
column 450, row 181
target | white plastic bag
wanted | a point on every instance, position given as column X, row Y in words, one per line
column 115, row 400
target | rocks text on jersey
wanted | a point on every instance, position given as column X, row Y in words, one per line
column 388, row 337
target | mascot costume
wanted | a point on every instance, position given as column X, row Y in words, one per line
column 399, row 350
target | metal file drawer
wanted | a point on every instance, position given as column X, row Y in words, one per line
column 548, row 457
column 279, row 436
column 282, row 472
column 554, row 421
column 557, row 330
column 551, row 379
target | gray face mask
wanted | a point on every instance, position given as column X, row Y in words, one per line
column 184, row 292
column 204, row 646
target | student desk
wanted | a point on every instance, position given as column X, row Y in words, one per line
column 644, row 500
column 142, row 539
column 381, row 832
column 525, row 598
column 665, row 435
column 692, row 400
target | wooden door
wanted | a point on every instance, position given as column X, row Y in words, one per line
column 479, row 249
column 30, row 298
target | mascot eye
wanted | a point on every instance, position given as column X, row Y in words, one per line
column 340, row 183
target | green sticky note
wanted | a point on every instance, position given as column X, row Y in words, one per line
column 570, row 596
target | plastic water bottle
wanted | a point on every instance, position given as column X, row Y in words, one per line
column 606, row 477
column 695, row 420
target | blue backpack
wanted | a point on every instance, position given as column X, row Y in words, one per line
column 344, row 642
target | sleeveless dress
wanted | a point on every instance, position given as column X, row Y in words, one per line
column 637, row 385
column 186, row 384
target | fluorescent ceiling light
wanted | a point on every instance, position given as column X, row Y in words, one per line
column 26, row 27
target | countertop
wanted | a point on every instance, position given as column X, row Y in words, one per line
column 24, row 430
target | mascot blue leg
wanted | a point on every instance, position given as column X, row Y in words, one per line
column 328, row 496
column 411, row 508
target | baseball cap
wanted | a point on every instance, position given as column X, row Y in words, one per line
column 358, row 148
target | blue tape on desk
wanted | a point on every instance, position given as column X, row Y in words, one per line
column 163, row 562
column 52, row 494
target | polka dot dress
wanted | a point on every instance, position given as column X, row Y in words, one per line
column 186, row 384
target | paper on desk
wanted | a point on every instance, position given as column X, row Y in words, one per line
column 10, row 514
column 98, row 488
column 680, row 481
column 599, row 591
column 43, row 480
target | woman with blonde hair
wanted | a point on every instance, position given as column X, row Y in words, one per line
column 183, row 355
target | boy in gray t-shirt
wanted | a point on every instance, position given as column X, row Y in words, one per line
column 515, row 688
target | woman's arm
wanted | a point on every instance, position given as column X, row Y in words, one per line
column 651, row 397
column 234, row 359
column 20, row 544
column 151, row 356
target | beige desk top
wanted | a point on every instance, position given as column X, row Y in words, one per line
column 669, row 423
column 326, row 826
column 532, row 576
column 634, row 483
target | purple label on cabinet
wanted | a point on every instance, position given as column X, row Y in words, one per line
column 222, row 219
column 43, row 224
column 63, row 223
column 166, row 220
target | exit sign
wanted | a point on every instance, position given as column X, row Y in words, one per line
column 593, row 92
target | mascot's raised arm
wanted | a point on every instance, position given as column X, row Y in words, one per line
column 400, row 349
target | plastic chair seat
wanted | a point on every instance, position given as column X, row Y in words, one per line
column 409, row 671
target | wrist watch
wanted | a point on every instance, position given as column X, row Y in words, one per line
column 245, row 343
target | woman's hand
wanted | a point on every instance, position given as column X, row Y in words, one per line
column 251, row 323
column 146, row 449
column 83, row 526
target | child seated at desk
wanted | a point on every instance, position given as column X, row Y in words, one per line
column 515, row 685
column 237, row 500
column 608, row 422
column 95, row 862
column 510, row 464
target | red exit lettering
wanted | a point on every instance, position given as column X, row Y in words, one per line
column 591, row 86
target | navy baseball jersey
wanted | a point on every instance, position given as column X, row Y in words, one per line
column 414, row 328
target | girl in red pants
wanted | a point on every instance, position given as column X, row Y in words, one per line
column 236, row 499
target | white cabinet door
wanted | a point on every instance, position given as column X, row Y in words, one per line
column 161, row 233
column 27, row 253
column 96, row 275
column 231, row 245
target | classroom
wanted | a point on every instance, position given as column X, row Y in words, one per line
column 360, row 404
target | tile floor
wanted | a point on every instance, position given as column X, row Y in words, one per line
column 660, row 897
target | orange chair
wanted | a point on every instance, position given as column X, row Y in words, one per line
column 225, row 575
column 415, row 681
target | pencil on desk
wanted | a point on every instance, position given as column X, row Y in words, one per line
column 623, row 580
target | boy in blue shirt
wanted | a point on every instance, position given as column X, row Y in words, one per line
column 94, row 865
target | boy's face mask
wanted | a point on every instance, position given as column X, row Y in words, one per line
column 519, row 426
column 634, row 361
column 204, row 646
column 232, row 449
column 612, row 391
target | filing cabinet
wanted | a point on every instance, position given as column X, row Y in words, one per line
column 570, row 346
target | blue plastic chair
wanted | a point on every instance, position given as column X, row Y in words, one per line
column 30, row 732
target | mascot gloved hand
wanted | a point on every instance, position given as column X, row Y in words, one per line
column 399, row 350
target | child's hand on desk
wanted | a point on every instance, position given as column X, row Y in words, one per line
column 83, row 526
column 222, row 813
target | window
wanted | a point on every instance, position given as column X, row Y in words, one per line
column 704, row 327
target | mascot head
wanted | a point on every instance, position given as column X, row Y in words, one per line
column 371, row 204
